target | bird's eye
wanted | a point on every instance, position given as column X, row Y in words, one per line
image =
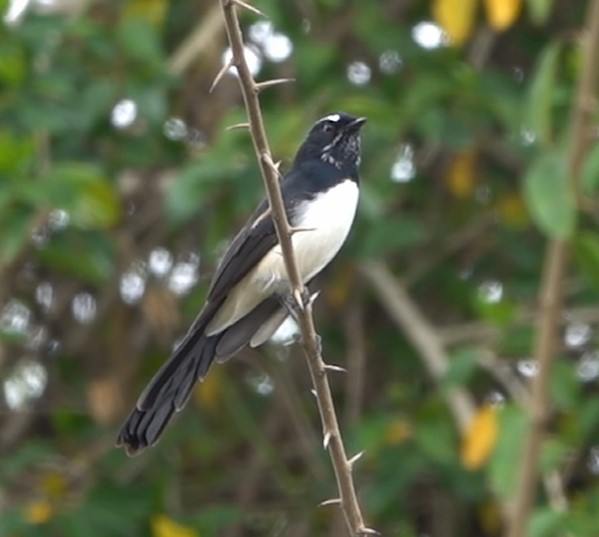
column 327, row 127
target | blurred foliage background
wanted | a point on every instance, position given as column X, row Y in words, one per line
column 120, row 184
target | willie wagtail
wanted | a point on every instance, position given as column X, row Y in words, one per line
column 246, row 296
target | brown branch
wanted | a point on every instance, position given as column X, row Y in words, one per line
column 421, row 335
column 585, row 107
column 485, row 333
column 481, row 47
column 289, row 400
column 198, row 42
column 503, row 373
column 332, row 434
column 550, row 296
column 356, row 364
column 552, row 288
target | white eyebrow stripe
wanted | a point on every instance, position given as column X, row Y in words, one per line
column 332, row 117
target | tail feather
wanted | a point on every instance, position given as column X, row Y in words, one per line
column 144, row 427
column 168, row 391
column 237, row 336
column 173, row 384
column 186, row 378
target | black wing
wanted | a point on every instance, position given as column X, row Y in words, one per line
column 246, row 250
column 258, row 236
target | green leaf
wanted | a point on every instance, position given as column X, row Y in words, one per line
column 586, row 254
column 589, row 176
column 83, row 255
column 13, row 523
column 214, row 519
column 97, row 100
column 109, row 510
column 540, row 100
column 13, row 338
column 314, row 60
column 12, row 64
column 80, row 189
column 566, row 388
column 516, row 340
column 464, row 363
column 539, row 10
column 549, row 196
column 382, row 236
column 588, row 417
column 435, row 436
column 151, row 102
column 26, row 457
column 16, row 223
column 425, row 93
column 499, row 313
column 194, row 187
column 140, row 41
column 16, row 154
column 545, row 522
column 553, row 454
column 503, row 471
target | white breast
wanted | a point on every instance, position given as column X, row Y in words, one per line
column 327, row 220
column 328, row 217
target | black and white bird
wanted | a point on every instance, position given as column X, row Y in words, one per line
column 245, row 300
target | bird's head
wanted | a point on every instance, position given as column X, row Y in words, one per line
column 334, row 139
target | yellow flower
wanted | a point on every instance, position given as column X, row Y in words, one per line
column 38, row 512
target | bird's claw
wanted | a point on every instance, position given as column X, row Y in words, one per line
column 297, row 302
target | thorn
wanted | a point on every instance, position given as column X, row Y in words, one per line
column 326, row 440
column 261, row 86
column 238, row 126
column 368, row 531
column 337, row 368
column 294, row 230
column 314, row 296
column 274, row 166
column 249, row 7
column 355, row 459
column 225, row 68
column 332, row 501
column 297, row 294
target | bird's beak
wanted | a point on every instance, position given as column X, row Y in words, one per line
column 355, row 125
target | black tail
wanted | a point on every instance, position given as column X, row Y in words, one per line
column 171, row 387
column 168, row 391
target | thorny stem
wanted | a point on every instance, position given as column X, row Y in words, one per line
column 551, row 292
column 550, row 296
column 349, row 501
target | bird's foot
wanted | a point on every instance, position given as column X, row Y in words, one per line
column 290, row 305
column 318, row 340
column 295, row 304
column 297, row 301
